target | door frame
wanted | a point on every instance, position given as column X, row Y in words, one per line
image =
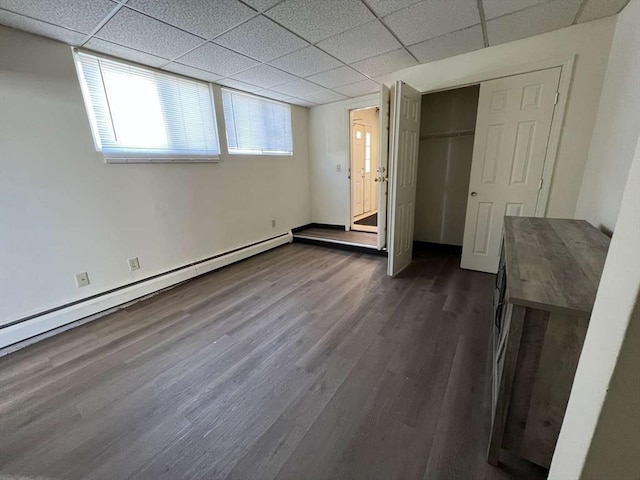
column 566, row 63
column 349, row 224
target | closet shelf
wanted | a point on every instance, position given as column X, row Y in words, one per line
column 460, row 133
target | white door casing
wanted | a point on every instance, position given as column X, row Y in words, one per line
column 405, row 137
column 383, row 165
column 512, row 134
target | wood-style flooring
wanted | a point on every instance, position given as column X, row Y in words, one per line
column 300, row 363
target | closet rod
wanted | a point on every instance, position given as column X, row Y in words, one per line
column 461, row 133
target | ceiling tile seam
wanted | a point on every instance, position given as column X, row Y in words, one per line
column 579, row 12
column 42, row 21
column 483, row 23
column 393, row 34
column 102, row 23
column 204, row 40
column 443, row 35
column 314, row 44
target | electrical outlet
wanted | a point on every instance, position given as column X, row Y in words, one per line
column 273, row 223
column 82, row 279
column 338, row 167
column 134, row 264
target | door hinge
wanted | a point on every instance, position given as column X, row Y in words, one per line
column 540, row 185
column 555, row 100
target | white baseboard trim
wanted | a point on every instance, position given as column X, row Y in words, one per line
column 41, row 324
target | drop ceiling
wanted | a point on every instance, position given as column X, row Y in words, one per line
column 305, row 52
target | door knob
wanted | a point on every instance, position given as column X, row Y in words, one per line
column 474, row 194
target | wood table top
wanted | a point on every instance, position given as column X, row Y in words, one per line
column 553, row 264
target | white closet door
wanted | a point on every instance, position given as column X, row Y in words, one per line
column 383, row 165
column 405, row 136
column 512, row 132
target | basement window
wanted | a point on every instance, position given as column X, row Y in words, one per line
column 256, row 125
column 140, row 115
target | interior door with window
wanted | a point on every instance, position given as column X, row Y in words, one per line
column 405, row 136
column 512, row 132
column 357, row 169
column 383, row 161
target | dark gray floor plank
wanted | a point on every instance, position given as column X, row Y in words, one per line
column 302, row 362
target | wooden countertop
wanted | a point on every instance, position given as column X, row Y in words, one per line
column 553, row 264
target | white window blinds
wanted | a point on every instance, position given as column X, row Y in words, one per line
column 142, row 113
column 256, row 126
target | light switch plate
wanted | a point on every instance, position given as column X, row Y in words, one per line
column 339, row 167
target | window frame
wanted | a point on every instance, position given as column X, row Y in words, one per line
column 132, row 157
column 246, row 152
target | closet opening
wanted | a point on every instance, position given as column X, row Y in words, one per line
column 447, row 130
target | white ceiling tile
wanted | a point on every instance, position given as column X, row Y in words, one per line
column 431, row 19
column 387, row 79
column 262, row 39
column 273, row 95
column 449, row 45
column 300, row 102
column 324, row 96
column 532, row 21
column 261, row 5
column 124, row 52
column 595, row 9
column 337, row 77
column 265, row 76
column 361, row 42
column 217, row 59
column 385, row 7
column 316, row 20
column 44, row 29
column 306, row 61
column 192, row 72
column 497, row 8
column 385, row 63
column 135, row 30
column 238, row 85
column 201, row 17
column 359, row 88
column 298, row 88
column 80, row 15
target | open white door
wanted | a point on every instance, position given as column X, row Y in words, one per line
column 383, row 165
column 512, row 133
column 405, row 138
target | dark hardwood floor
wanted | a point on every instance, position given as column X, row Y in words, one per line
column 300, row 363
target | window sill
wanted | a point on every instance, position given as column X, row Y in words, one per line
column 147, row 160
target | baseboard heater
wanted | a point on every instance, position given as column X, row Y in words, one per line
column 99, row 305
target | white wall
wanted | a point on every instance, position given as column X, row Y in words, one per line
column 328, row 149
column 617, row 125
column 63, row 210
column 600, row 435
column 591, row 43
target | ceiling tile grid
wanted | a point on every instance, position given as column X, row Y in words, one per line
column 337, row 77
column 316, row 20
column 535, row 20
column 216, row 59
column 200, row 17
column 135, row 30
column 262, row 39
column 305, row 52
column 361, row 42
column 449, row 45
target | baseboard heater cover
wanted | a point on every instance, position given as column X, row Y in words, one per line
column 37, row 325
